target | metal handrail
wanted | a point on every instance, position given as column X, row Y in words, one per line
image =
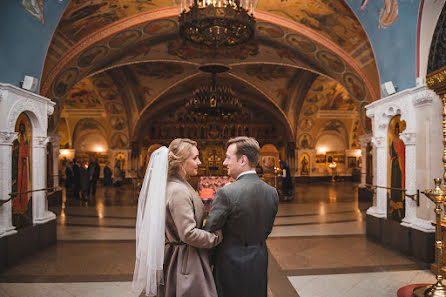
column 16, row 194
column 414, row 197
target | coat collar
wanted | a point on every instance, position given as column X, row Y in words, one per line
column 248, row 176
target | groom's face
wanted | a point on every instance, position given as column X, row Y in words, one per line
column 232, row 162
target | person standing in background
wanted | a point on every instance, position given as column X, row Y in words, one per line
column 68, row 176
column 107, row 175
column 93, row 174
column 84, row 181
column 76, row 179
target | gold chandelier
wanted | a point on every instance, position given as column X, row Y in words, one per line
column 217, row 22
column 213, row 99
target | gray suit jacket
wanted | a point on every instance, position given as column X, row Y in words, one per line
column 245, row 211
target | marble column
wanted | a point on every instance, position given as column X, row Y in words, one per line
column 40, row 203
column 379, row 208
column 6, row 139
column 409, row 140
column 55, row 140
column 364, row 140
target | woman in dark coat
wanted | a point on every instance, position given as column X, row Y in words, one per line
column 107, row 175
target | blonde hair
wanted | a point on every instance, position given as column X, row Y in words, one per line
column 179, row 151
column 247, row 146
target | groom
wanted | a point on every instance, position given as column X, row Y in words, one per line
column 245, row 211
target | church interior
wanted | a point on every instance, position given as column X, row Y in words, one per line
column 346, row 99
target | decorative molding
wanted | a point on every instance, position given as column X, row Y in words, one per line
column 2, row 95
column 378, row 141
column 40, row 141
column 408, row 138
column 335, row 114
column 21, row 106
column 425, row 97
column 25, row 94
column 6, row 138
column 392, row 110
column 49, row 109
column 82, row 113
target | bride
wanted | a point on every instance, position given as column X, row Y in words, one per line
column 171, row 247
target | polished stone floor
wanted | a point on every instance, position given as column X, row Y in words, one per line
column 317, row 248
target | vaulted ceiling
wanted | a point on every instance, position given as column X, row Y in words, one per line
column 124, row 59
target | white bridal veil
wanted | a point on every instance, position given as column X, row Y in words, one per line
column 150, row 224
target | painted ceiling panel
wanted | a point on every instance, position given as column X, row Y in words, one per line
column 334, row 19
column 125, row 55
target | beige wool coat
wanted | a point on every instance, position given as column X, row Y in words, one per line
column 187, row 272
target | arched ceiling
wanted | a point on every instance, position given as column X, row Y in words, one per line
column 125, row 58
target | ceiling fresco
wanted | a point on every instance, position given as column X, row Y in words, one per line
column 327, row 98
column 125, row 56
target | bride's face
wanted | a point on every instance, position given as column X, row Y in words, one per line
column 191, row 164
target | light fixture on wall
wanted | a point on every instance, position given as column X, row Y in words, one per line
column 388, row 88
column 29, row 83
column 217, row 22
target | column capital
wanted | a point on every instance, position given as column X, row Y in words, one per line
column 6, row 138
column 40, row 141
column 408, row 138
column 378, row 141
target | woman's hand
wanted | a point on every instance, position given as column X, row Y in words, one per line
column 219, row 234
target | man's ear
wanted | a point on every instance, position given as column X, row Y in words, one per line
column 245, row 160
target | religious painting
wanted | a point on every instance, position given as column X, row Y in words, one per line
column 351, row 162
column 215, row 160
column 91, row 55
column 114, row 108
column 80, row 20
column 396, row 169
column 120, row 161
column 355, row 86
column 108, row 95
column 22, row 173
column 186, row 50
column 269, row 29
column 338, row 158
column 388, row 14
column 268, row 72
column 117, row 123
column 119, row 140
column 35, row 8
column 65, row 81
column 304, row 165
column 101, row 81
column 333, row 19
column 321, row 159
column 306, row 124
column 309, row 109
column 160, row 70
column 301, row 42
column 336, row 97
column 305, row 141
column 125, row 38
column 160, row 26
column 268, row 164
column 330, row 61
column 82, row 96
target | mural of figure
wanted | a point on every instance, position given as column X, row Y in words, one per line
column 305, row 143
column 21, row 176
column 397, row 152
column 304, row 168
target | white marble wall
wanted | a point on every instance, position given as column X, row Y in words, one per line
column 13, row 102
column 422, row 110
